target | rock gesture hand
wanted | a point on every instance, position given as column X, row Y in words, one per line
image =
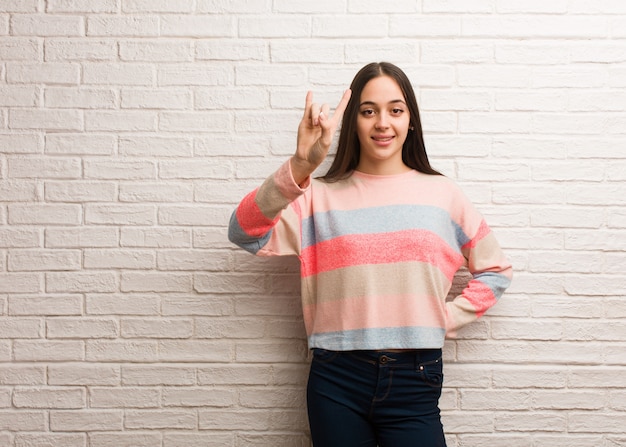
column 315, row 134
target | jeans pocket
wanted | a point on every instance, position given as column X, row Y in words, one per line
column 324, row 356
column 431, row 372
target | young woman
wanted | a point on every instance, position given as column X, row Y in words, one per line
column 380, row 238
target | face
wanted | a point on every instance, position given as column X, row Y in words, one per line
column 382, row 127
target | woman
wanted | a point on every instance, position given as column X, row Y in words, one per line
column 380, row 238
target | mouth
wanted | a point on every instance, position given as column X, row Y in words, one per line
column 383, row 140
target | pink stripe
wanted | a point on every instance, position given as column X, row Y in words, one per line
column 483, row 230
column 379, row 311
column 381, row 248
column 480, row 296
column 251, row 220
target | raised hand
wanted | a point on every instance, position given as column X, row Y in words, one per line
column 315, row 135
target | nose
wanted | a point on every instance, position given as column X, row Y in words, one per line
column 382, row 121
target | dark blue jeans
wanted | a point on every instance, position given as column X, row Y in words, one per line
column 372, row 398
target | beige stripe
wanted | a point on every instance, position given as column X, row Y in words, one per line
column 407, row 278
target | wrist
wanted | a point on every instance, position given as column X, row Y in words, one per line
column 300, row 170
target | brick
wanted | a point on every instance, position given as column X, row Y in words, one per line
column 177, row 25
column 43, row 260
column 155, row 146
column 262, row 75
column 124, row 439
column 195, row 75
column 149, row 375
column 535, row 6
column 233, row 420
column 195, row 169
column 127, row 304
column 170, row 99
column 45, row 73
column 19, row 238
column 458, row 6
column 64, row 439
column 17, row 191
column 196, row 215
column 22, row 328
column 50, row 168
column 536, row 26
column 124, row 397
column 220, row 99
column 157, row 328
column 20, row 283
column 135, row 26
column 120, row 214
column 156, row 51
column 91, row 6
column 20, row 6
column 41, row 351
column 135, row 6
column 156, row 237
column 225, row 6
column 84, row 98
column 221, row 328
column 45, row 305
column 156, row 192
column 81, row 282
column 52, row 120
column 77, row 374
column 172, row 260
column 118, row 74
column 193, row 121
column 34, row 421
column 21, row 143
column 18, row 96
column 79, row 191
column 121, row 351
column 80, row 144
column 50, row 398
column 160, row 419
column 198, row 397
column 81, row 421
column 47, row 25
column 117, row 170
column 233, row 374
column 19, row 49
column 82, row 328
column 196, row 306
column 294, row 52
column 122, row 121
column 156, row 282
column 598, row 421
column 78, row 49
column 304, row 7
column 81, row 237
column 24, row 375
column 194, row 351
column 112, row 259
column 227, row 50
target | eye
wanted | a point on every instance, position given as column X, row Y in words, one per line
column 397, row 111
column 367, row 112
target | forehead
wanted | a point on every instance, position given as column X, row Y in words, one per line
column 382, row 89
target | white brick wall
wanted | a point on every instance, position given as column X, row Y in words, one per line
column 129, row 129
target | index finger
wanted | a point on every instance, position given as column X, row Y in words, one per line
column 341, row 107
column 307, row 103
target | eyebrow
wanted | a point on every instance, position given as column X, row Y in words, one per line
column 372, row 103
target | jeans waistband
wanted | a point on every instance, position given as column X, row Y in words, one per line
column 398, row 358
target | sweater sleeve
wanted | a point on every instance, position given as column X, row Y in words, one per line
column 491, row 273
column 267, row 221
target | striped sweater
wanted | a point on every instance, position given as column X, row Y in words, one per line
column 378, row 255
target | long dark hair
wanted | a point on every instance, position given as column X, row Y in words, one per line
column 349, row 150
